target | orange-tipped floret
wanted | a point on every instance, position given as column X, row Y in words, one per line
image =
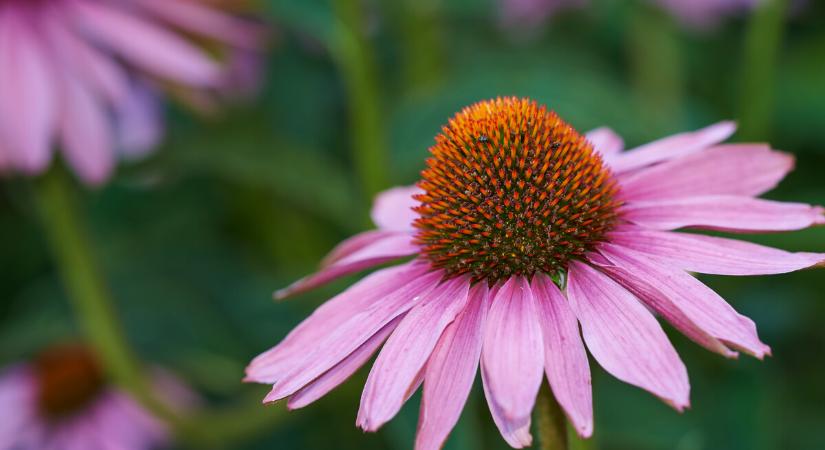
column 512, row 189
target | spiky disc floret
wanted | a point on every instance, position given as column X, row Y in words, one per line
column 512, row 189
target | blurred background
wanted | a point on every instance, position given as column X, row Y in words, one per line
column 239, row 202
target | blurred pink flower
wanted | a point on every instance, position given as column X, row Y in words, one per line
column 531, row 13
column 521, row 231
column 704, row 14
column 85, row 75
column 61, row 401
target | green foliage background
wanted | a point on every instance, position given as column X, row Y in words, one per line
column 195, row 238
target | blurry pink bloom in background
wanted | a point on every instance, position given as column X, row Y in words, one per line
column 702, row 14
column 86, row 76
column 521, row 232
column 531, row 13
column 61, row 401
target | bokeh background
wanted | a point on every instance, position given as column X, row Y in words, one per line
column 235, row 204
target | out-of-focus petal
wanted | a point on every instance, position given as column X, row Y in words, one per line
column 395, row 370
column 565, row 359
column 713, row 255
column 624, row 337
column 606, row 142
column 379, row 252
column 451, row 370
column 138, row 121
column 671, row 147
column 157, row 50
column 393, row 208
column 512, row 359
column 723, row 212
column 734, row 169
column 683, row 300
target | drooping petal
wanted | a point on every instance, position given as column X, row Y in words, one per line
column 138, row 120
column 353, row 244
column 27, row 109
column 363, row 295
column 672, row 147
column 734, row 169
column 393, row 208
column 451, row 370
column 624, row 337
column 721, row 212
column 379, row 252
column 336, row 344
column 565, row 359
column 512, row 360
column 338, row 374
column 403, row 357
column 158, row 50
column 714, row 255
column 606, row 142
column 686, row 302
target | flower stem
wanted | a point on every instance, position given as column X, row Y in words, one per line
column 350, row 47
column 550, row 422
column 762, row 42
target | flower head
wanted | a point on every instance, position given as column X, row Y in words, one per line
column 61, row 400
column 85, row 75
column 529, row 241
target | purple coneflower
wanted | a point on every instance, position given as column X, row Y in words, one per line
column 521, row 231
column 61, row 401
column 83, row 75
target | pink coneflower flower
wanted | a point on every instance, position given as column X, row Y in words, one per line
column 521, row 231
column 79, row 74
column 61, row 401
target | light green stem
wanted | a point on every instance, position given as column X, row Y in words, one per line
column 355, row 58
column 418, row 25
column 551, row 424
column 761, row 51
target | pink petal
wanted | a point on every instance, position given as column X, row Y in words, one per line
column 158, row 50
column 341, row 372
column 734, row 169
column 451, row 371
column 204, row 20
column 672, row 147
column 379, row 252
column 139, row 121
column 364, row 295
column 624, row 337
column 393, row 208
column 27, row 109
column 512, row 360
column 353, row 244
column 565, row 359
column 606, row 142
column 84, row 132
column 674, row 292
column 395, row 370
column 720, row 212
column 336, row 344
column 714, row 255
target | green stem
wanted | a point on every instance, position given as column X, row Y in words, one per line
column 551, row 424
column 762, row 42
column 418, row 26
column 354, row 56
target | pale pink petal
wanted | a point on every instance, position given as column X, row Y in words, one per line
column 353, row 244
column 199, row 18
column 451, row 371
column 722, row 212
column 392, row 377
column 676, row 294
column 138, row 121
column 714, row 255
column 27, row 109
column 393, row 208
column 379, row 252
column 733, row 169
column 156, row 50
column 624, row 337
column 363, row 295
column 336, row 344
column 85, row 133
column 672, row 147
column 341, row 372
column 606, row 142
column 512, row 359
column 565, row 359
